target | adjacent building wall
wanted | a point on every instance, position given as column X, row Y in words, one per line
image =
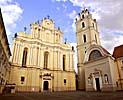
column 4, row 56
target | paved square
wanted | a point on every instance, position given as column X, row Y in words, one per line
column 79, row 95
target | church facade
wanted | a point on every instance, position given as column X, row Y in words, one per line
column 97, row 68
column 41, row 61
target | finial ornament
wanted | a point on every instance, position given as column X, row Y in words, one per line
column 15, row 35
column 58, row 28
column 48, row 16
column 25, row 29
column 38, row 21
column 65, row 40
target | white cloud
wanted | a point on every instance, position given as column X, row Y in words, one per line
column 109, row 16
column 110, row 39
column 65, row 7
column 61, row 0
column 72, row 15
column 5, row 1
column 11, row 12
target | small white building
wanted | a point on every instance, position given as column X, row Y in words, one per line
column 97, row 70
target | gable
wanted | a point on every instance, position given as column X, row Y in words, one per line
column 95, row 54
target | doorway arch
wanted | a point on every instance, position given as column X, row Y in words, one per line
column 46, row 85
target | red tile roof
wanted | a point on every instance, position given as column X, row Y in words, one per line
column 118, row 51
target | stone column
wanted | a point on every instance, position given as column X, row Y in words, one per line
column 31, row 56
column 100, row 79
column 32, row 61
column 58, row 57
column 14, row 53
column 16, row 56
column 94, row 82
column 20, row 54
column 39, row 56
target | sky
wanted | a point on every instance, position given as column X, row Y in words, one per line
column 18, row 14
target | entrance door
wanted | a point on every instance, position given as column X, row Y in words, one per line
column 97, row 84
column 45, row 85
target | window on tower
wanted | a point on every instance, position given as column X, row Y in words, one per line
column 83, row 16
column 24, row 60
column 83, row 24
column 84, row 38
column 46, row 60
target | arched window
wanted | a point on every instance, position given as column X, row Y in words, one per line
column 64, row 62
column 83, row 16
column 95, row 54
column 24, row 60
column 84, row 37
column 106, row 79
column 83, row 24
column 46, row 60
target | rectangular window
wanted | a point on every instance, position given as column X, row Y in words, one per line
column 22, row 79
column 64, row 81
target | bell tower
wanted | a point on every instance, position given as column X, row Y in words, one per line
column 86, row 34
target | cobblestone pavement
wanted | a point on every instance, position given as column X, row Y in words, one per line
column 79, row 95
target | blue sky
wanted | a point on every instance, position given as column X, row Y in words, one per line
column 58, row 12
column 18, row 14
column 35, row 10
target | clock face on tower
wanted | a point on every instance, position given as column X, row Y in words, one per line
column 95, row 54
